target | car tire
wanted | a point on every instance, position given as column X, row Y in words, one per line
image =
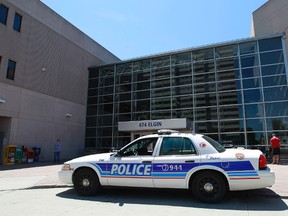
column 209, row 187
column 86, row 182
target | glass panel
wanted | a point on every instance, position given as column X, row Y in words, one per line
column 141, row 65
column 161, row 73
column 92, row 100
column 252, row 96
column 104, row 120
column 203, row 78
column 272, row 57
column 204, row 88
column 208, row 113
column 183, row 113
column 227, row 64
column 141, row 116
column 230, row 112
column 164, row 83
column 229, row 85
column 270, row 44
column 107, row 71
column 273, row 70
column 255, row 125
column 231, row 126
column 125, row 117
column 125, row 96
column 161, row 115
column 275, row 94
column 181, row 58
column 250, row 72
column 228, row 75
column 277, row 123
column 161, row 103
column 203, row 67
column 182, row 90
column 90, row 121
column 226, row 51
column 11, row 69
column 276, row 109
column 106, row 81
column 143, row 94
column 106, row 90
column 251, row 83
column 182, row 70
column 255, row 138
column 202, row 55
column 160, row 62
column 106, row 99
column 186, row 80
column 206, row 127
column 249, row 61
column 248, row 48
column 205, row 100
column 274, row 80
column 182, row 102
column 163, row 92
column 254, row 110
column 237, row 139
column 125, row 107
column 142, row 76
column 93, row 83
column 142, row 105
column 91, row 110
column 142, row 86
column 227, row 98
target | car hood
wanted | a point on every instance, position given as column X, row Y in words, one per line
column 92, row 158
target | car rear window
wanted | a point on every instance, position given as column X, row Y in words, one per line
column 215, row 144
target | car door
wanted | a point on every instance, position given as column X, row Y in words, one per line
column 132, row 166
column 175, row 159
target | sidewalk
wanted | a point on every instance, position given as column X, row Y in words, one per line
column 43, row 175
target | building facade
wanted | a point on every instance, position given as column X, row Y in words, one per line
column 235, row 92
column 44, row 78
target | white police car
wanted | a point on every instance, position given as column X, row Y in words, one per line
column 171, row 159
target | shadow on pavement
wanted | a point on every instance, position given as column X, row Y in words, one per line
column 234, row 200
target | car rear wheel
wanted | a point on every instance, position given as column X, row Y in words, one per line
column 86, row 182
column 209, row 187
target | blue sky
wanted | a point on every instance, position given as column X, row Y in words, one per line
column 134, row 28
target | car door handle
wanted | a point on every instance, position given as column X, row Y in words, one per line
column 190, row 161
column 147, row 162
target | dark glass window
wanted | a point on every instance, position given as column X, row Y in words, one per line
column 185, row 80
column 182, row 102
column 142, row 105
column 231, row 97
column 251, row 83
column 254, row 110
column 231, row 125
column 270, row 44
column 3, row 14
column 208, row 113
column 11, row 70
column 237, row 139
column 273, row 70
column 251, row 96
column 141, row 65
column 276, row 94
column 203, row 100
column 203, row 55
column 203, row 67
column 272, row 57
column 203, row 78
column 207, row 127
column 182, row 113
column 228, row 75
column 255, row 138
column 255, row 125
column 250, row 72
column 277, row 123
column 181, row 58
column 143, row 94
column 160, row 62
column 161, row 103
column 276, row 109
column 227, row 64
column 176, row 146
column 182, row 70
column 249, row 61
column 17, row 22
column 274, row 80
column 205, row 88
column 248, row 48
column 229, row 85
column 226, row 51
column 230, row 112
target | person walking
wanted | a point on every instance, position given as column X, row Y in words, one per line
column 57, row 151
column 275, row 144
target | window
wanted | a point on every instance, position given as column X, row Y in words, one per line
column 3, row 14
column 17, row 22
column 139, row 147
column 11, row 70
column 176, row 146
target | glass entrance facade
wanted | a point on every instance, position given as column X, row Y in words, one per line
column 233, row 92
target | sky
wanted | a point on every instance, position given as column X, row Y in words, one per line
column 135, row 28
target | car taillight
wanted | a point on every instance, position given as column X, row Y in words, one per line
column 262, row 162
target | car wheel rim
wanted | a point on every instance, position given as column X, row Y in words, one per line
column 208, row 187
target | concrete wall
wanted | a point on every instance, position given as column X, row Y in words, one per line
column 52, row 58
column 271, row 18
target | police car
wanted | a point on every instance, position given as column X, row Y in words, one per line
column 170, row 159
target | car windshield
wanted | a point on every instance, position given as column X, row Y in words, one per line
column 215, row 144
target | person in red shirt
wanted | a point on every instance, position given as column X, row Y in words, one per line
column 275, row 144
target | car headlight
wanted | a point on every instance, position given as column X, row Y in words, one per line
column 66, row 167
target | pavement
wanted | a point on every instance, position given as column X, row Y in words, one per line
column 45, row 175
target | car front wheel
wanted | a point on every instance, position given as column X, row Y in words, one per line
column 209, row 187
column 86, row 182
